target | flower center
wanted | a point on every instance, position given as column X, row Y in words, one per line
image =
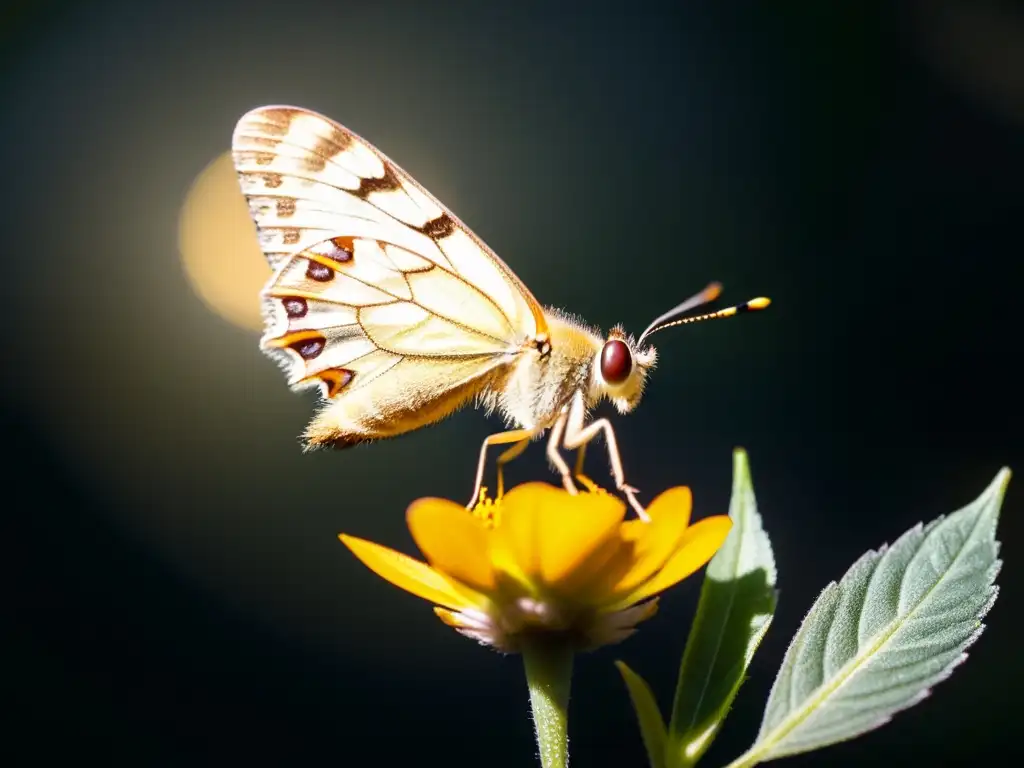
column 488, row 510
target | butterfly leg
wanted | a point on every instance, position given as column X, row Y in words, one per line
column 577, row 473
column 554, row 439
column 520, row 436
column 577, row 435
column 505, row 457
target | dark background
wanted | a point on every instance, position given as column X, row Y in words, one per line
column 178, row 595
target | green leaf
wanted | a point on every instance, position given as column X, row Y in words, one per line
column 897, row 623
column 736, row 605
column 652, row 727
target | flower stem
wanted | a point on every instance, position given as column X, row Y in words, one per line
column 548, row 664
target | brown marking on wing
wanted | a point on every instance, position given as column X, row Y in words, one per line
column 295, row 306
column 340, row 249
column 309, row 349
column 307, row 344
column 279, row 124
column 438, row 228
column 326, row 149
column 324, row 258
column 386, row 183
column 285, row 207
column 319, row 272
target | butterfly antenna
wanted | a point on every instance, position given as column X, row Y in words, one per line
column 710, row 293
column 665, row 321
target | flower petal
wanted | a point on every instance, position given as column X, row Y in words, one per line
column 546, row 533
column 675, row 503
column 470, row 619
column 412, row 575
column 656, row 541
column 697, row 545
column 589, row 584
column 610, row 628
column 453, row 541
column 484, row 632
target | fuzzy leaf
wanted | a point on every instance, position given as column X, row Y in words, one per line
column 896, row 624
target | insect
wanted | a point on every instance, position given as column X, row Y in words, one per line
column 400, row 315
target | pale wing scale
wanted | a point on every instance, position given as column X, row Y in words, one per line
column 369, row 265
column 327, row 148
column 360, row 163
column 289, row 160
column 319, row 315
column 423, row 201
column 341, row 289
column 348, row 290
column 269, row 214
column 408, row 329
column 341, row 350
column 279, row 243
column 406, row 260
column 305, row 130
column 337, row 348
column 400, row 205
column 457, row 300
column 464, row 256
column 304, row 135
column 308, row 195
column 387, row 320
column 362, row 371
column 373, row 365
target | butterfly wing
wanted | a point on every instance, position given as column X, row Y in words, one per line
column 380, row 295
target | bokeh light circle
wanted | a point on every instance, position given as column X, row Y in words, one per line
column 219, row 248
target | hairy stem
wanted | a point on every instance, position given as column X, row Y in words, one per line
column 548, row 664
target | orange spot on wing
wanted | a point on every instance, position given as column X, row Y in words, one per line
column 335, row 380
column 307, row 344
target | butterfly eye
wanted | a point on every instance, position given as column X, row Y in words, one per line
column 616, row 361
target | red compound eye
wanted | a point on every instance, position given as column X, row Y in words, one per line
column 616, row 361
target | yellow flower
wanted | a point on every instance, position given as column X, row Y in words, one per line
column 540, row 560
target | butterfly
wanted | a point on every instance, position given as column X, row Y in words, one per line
column 400, row 315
